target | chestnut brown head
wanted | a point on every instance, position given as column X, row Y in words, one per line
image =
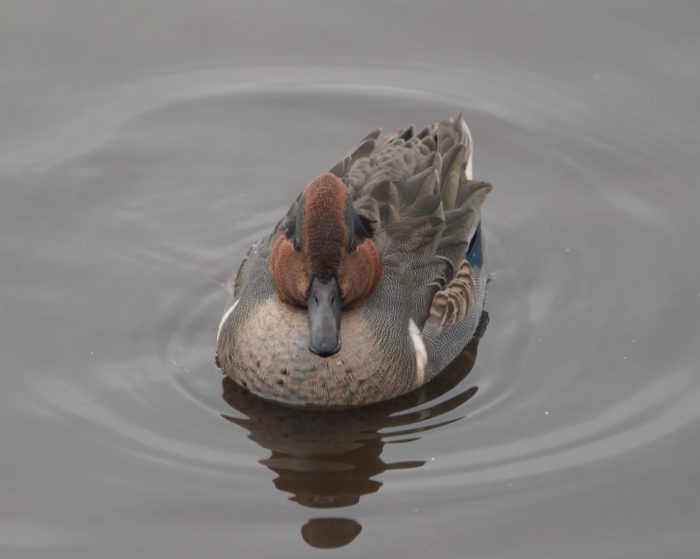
column 326, row 260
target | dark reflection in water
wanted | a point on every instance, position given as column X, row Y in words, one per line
column 327, row 533
column 330, row 459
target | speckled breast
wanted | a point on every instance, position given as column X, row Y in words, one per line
column 268, row 355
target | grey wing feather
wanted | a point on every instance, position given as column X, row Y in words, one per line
column 416, row 190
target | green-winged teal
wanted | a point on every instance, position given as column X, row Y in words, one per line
column 371, row 284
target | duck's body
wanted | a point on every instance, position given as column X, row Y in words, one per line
column 390, row 244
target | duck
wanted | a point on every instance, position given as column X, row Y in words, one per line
column 372, row 282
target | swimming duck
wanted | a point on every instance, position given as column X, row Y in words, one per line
column 371, row 284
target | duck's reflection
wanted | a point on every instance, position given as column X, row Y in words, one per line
column 331, row 458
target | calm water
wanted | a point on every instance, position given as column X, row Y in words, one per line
column 143, row 147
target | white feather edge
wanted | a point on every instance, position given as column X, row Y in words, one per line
column 421, row 352
column 469, row 170
column 225, row 318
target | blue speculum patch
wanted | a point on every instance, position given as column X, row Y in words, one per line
column 475, row 254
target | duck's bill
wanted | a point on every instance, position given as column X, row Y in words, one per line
column 324, row 309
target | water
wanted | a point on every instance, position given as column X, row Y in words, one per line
column 144, row 147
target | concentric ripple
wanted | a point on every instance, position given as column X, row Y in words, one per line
column 588, row 357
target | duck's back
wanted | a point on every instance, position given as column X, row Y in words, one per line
column 417, row 191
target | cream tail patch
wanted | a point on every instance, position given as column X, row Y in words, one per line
column 421, row 353
column 225, row 318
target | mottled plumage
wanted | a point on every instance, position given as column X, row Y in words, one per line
column 412, row 200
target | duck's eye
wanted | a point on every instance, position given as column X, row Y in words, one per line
column 291, row 229
column 291, row 233
column 363, row 227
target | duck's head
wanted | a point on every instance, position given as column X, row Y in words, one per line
column 326, row 260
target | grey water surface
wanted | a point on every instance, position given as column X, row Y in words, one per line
column 145, row 145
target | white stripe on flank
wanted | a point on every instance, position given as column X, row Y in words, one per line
column 224, row 318
column 421, row 353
